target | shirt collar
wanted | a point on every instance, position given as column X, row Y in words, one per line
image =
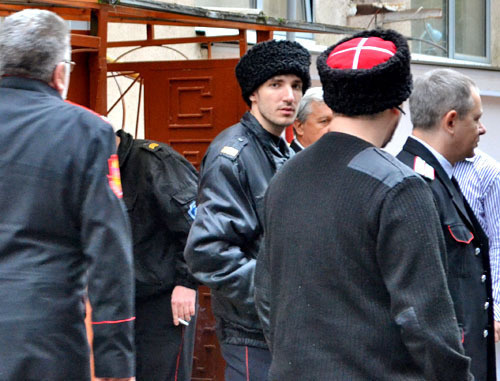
column 298, row 143
column 448, row 168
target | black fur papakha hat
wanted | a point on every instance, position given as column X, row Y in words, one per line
column 366, row 73
column 270, row 58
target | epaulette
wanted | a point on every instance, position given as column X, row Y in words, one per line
column 151, row 146
column 233, row 148
column 421, row 167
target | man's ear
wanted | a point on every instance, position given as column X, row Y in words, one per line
column 58, row 77
column 448, row 122
column 297, row 127
column 253, row 97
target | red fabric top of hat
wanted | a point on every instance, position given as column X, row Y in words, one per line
column 361, row 53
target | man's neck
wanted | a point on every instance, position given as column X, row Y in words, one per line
column 299, row 143
column 445, row 163
column 434, row 139
column 268, row 126
column 375, row 131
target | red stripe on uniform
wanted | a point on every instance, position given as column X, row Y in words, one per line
column 89, row 110
column 113, row 321
column 246, row 360
column 179, row 355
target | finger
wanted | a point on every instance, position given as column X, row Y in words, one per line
column 185, row 312
column 175, row 313
column 192, row 308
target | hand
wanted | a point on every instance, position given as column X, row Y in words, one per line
column 497, row 331
column 183, row 303
column 114, row 379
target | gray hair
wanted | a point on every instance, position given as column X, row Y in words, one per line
column 314, row 94
column 437, row 92
column 32, row 43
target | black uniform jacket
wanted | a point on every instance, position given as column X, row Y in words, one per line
column 61, row 228
column 466, row 261
column 159, row 189
column 224, row 240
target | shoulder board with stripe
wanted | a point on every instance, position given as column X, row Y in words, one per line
column 151, row 146
column 424, row 169
column 233, row 148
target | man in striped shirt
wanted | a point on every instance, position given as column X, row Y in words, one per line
column 479, row 180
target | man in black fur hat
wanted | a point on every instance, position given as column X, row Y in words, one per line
column 356, row 287
column 223, row 242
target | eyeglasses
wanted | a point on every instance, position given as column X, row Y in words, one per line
column 70, row 63
column 401, row 110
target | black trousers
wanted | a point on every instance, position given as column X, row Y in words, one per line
column 245, row 363
column 164, row 351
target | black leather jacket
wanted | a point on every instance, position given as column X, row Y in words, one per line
column 224, row 240
column 159, row 190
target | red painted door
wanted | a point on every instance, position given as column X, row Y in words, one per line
column 187, row 104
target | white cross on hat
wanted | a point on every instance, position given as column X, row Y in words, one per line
column 361, row 53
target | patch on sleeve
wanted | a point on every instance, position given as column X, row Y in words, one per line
column 114, row 178
column 421, row 167
column 192, row 210
column 381, row 165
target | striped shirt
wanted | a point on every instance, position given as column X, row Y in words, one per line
column 479, row 180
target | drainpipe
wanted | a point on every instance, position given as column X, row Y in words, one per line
column 291, row 14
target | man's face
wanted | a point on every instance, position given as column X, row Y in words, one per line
column 275, row 102
column 316, row 124
column 469, row 129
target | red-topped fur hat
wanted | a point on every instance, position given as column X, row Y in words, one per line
column 366, row 73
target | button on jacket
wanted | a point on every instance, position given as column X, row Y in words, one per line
column 466, row 262
column 61, row 228
column 224, row 240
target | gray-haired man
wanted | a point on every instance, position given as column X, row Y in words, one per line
column 62, row 225
column 445, row 111
column 313, row 118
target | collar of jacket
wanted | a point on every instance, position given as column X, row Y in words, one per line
column 126, row 142
column 418, row 149
column 29, row 84
column 265, row 138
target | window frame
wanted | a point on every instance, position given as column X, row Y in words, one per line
column 451, row 35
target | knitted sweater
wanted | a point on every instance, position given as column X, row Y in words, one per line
column 358, row 290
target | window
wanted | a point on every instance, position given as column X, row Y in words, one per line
column 274, row 8
column 462, row 33
column 225, row 3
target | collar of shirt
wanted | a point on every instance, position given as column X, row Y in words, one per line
column 448, row 168
column 473, row 158
column 298, row 143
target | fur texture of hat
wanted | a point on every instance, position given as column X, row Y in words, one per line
column 354, row 92
column 270, row 58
